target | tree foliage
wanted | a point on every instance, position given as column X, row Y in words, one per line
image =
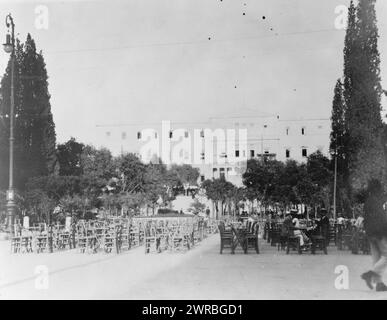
column 35, row 139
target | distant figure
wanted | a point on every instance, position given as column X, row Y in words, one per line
column 340, row 219
column 375, row 225
column 359, row 223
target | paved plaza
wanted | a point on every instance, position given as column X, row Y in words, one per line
column 201, row 273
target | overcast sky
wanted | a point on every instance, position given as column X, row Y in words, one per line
column 116, row 62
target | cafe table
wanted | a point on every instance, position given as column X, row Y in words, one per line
column 239, row 239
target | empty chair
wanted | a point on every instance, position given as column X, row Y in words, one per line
column 150, row 239
column 226, row 238
column 319, row 239
column 252, row 237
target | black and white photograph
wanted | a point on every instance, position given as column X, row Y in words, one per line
column 193, row 150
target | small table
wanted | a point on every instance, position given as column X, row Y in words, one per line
column 239, row 239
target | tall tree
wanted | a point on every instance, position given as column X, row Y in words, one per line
column 338, row 137
column 35, row 137
column 363, row 96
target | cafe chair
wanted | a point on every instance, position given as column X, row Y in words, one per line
column 320, row 240
column 226, row 238
column 252, row 238
column 293, row 242
column 150, row 240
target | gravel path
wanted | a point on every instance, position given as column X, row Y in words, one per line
column 201, row 273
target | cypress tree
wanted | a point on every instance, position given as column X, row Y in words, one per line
column 363, row 96
column 338, row 134
column 35, row 137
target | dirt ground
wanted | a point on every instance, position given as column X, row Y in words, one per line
column 201, row 273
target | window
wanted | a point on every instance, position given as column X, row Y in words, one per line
column 202, row 178
column 108, row 133
column 123, row 135
column 252, row 153
column 236, row 153
column 202, row 156
column 170, row 134
column 155, row 135
column 221, row 173
column 303, row 131
column 304, row 152
column 139, row 135
column 186, row 134
column 287, row 153
column 202, row 134
column 287, row 131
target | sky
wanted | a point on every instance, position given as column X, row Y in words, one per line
column 141, row 61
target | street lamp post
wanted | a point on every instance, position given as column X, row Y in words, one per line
column 335, row 181
column 9, row 47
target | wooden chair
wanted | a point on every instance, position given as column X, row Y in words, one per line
column 15, row 244
column 82, row 243
column 150, row 239
column 108, row 242
column 340, row 237
column 332, row 234
column 181, row 239
column 26, row 244
column 275, row 234
column 252, row 238
column 118, row 238
column 292, row 242
column 42, row 243
column 226, row 238
column 319, row 240
column 364, row 244
column 134, row 236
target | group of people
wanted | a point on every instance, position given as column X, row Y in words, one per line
column 291, row 226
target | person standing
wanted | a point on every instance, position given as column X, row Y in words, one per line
column 375, row 225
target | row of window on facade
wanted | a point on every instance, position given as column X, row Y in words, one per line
column 303, row 131
column 186, row 134
column 222, row 172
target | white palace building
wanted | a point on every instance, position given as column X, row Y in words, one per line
column 222, row 145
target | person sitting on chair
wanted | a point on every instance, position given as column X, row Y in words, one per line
column 288, row 228
column 299, row 232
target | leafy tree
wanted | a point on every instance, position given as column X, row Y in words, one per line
column 262, row 179
column 197, row 206
column 319, row 169
column 69, row 157
column 186, row 175
column 96, row 163
column 218, row 190
column 131, row 173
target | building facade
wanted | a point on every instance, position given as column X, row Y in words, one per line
column 222, row 145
